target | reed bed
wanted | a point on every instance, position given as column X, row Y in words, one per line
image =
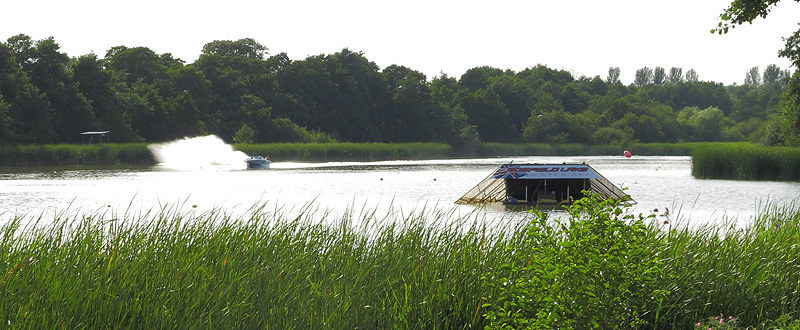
column 139, row 154
column 751, row 273
column 168, row 270
column 76, row 154
column 746, row 162
column 266, row 269
column 541, row 149
column 326, row 152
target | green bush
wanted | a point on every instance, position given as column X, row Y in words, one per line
column 594, row 270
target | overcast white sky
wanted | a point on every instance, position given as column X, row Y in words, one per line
column 585, row 37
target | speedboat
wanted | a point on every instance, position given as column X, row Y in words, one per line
column 257, row 162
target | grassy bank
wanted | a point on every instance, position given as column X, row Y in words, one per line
column 383, row 151
column 76, row 154
column 746, row 162
column 328, row 152
column 538, row 149
column 362, row 270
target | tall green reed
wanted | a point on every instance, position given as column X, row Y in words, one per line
column 343, row 151
column 76, row 154
column 751, row 272
column 746, row 162
column 173, row 270
column 281, row 269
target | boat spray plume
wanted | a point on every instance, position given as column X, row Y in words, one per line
column 198, row 152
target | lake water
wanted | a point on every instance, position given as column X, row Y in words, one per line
column 390, row 186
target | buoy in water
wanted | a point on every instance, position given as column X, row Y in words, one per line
column 627, row 154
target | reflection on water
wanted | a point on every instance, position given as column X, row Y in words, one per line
column 654, row 182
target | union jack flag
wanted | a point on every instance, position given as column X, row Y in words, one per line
column 508, row 172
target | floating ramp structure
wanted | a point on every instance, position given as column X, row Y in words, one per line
column 541, row 184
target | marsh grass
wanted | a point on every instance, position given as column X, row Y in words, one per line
column 273, row 269
column 342, row 151
column 751, row 273
column 745, row 161
column 76, row 154
column 574, row 149
column 169, row 270
column 139, row 154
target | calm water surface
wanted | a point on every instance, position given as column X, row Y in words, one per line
column 400, row 186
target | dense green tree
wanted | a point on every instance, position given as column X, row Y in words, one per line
column 594, row 86
column 453, row 127
column 7, row 133
column 745, row 11
column 789, row 112
column 772, row 74
column 343, row 94
column 612, row 135
column 244, row 135
column 489, row 115
column 232, row 89
column 139, row 64
column 246, row 47
column 516, row 96
column 558, row 126
column 97, row 86
column 702, row 125
column 156, row 108
column 411, row 114
column 479, row 78
column 539, row 74
column 70, row 112
column 23, row 49
column 751, row 102
column 27, row 108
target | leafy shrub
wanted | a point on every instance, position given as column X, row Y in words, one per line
column 597, row 269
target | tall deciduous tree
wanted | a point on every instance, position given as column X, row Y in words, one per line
column 477, row 78
column 25, row 106
column 691, row 76
column 47, row 67
column 772, row 76
column 454, row 127
column 745, row 11
column 753, row 77
column 613, row 75
column 246, row 47
column 489, row 115
column 659, row 76
column 644, row 76
column 410, row 116
column 96, row 85
column 516, row 96
column 675, row 75
column 789, row 112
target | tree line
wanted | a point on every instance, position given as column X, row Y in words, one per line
column 238, row 91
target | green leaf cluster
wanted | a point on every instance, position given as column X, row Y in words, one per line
column 593, row 270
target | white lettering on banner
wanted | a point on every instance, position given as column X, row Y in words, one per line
column 545, row 171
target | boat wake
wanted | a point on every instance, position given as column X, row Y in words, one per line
column 198, row 152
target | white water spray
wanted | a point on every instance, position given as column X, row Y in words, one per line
column 198, row 152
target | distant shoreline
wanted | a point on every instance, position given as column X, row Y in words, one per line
column 717, row 160
column 140, row 154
